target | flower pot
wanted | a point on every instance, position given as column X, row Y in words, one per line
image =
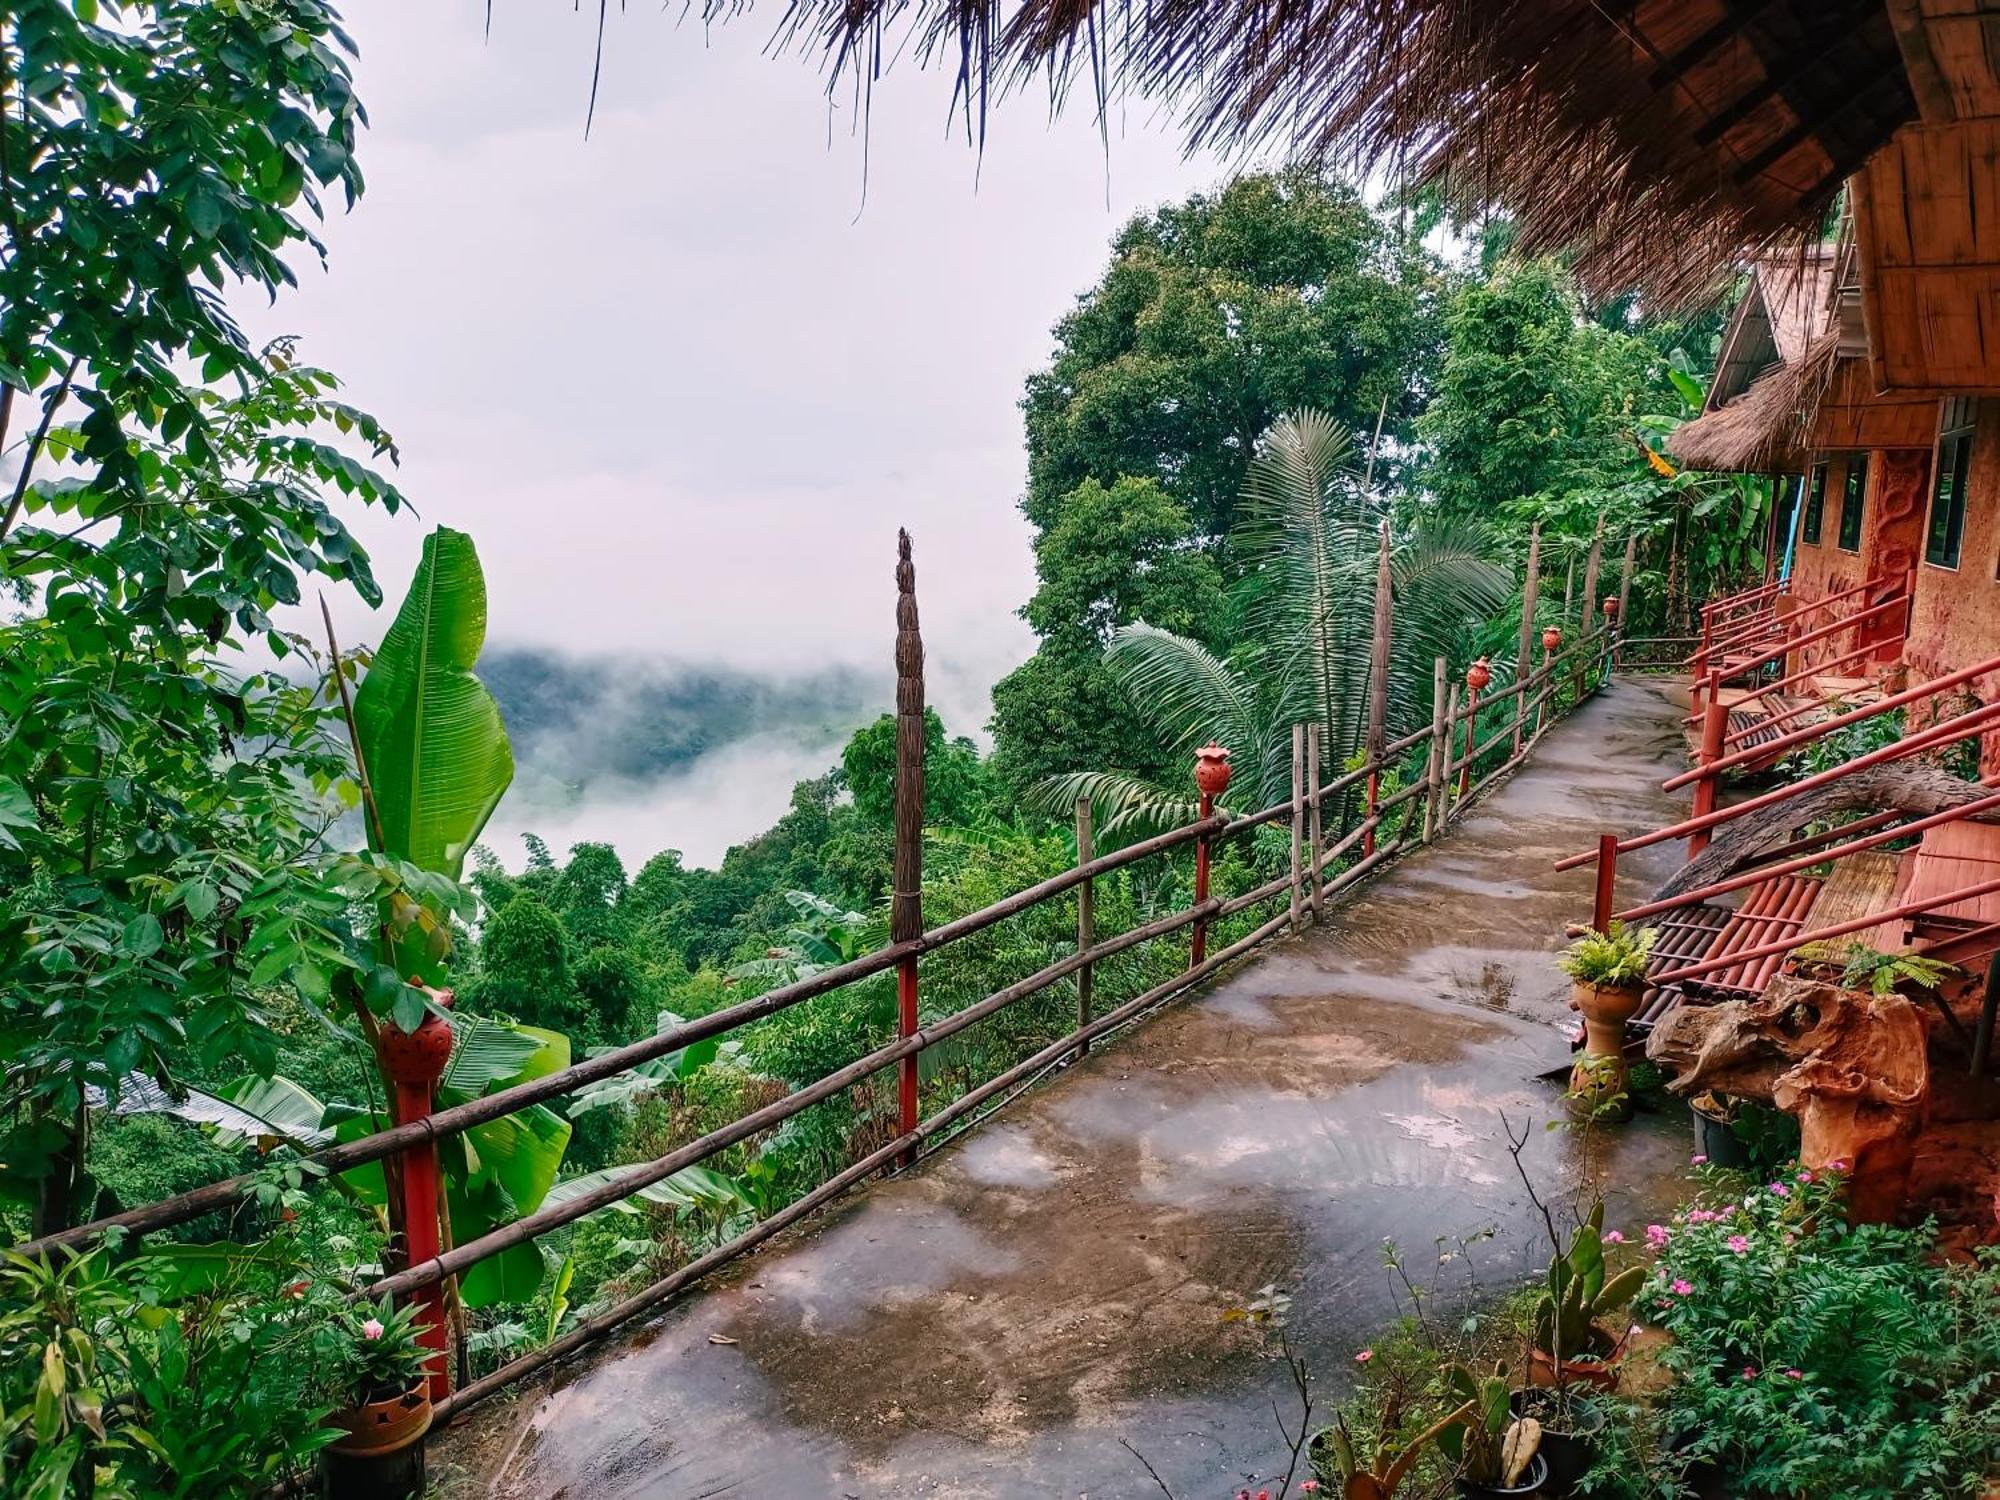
column 1569, row 1440
column 1716, row 1139
column 1600, row 1372
column 380, row 1453
column 1597, row 1082
column 1532, row 1483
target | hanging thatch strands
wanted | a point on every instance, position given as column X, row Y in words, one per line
column 1659, row 142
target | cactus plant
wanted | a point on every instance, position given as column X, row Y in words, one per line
column 1566, row 1317
column 1489, row 1443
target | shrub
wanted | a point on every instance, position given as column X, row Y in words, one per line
column 1815, row 1358
column 1615, row 956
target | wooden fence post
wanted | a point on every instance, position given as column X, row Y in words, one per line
column 1587, row 622
column 1714, row 725
column 1623, row 621
column 1378, row 687
column 1440, row 747
column 1314, row 823
column 1086, row 922
column 1298, row 822
column 1524, row 653
column 906, row 907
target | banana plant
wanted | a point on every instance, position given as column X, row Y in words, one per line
column 493, row 1173
column 433, row 758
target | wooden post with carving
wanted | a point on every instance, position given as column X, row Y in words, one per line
column 906, row 905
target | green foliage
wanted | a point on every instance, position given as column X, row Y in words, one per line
column 1880, row 973
column 115, row 1384
column 376, row 1353
column 1490, row 1444
column 1616, row 956
column 1579, row 1295
column 1278, row 292
column 955, row 781
column 164, row 807
column 1815, row 1358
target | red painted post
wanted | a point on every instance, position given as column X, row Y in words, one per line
column 1714, row 724
column 414, row 1062
column 1476, row 677
column 1610, row 638
column 1211, row 777
column 1607, row 881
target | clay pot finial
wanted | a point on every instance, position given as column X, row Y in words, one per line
column 1211, row 769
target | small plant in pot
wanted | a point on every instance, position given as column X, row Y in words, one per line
column 1607, row 973
column 1571, row 1422
column 1570, row 1344
column 385, row 1404
column 1497, row 1453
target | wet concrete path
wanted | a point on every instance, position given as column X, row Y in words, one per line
column 1004, row 1320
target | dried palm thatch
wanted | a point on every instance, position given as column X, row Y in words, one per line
column 1650, row 136
column 1764, row 430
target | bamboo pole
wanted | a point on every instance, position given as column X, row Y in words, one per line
column 1314, row 824
column 1587, row 623
column 1378, row 682
column 1624, row 620
column 1531, row 585
column 1298, row 822
column 1440, row 740
column 906, row 907
column 1086, row 923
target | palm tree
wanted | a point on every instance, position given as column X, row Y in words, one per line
column 1307, row 539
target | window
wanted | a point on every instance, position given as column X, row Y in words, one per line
column 1815, row 504
column 1946, row 531
column 1853, row 496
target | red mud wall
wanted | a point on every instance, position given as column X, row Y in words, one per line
column 1956, row 621
column 1821, row 569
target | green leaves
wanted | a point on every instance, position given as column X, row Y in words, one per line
column 432, row 740
column 17, row 810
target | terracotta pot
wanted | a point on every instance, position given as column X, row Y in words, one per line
column 1599, row 1373
column 1606, row 1006
column 1599, row 1074
column 382, row 1427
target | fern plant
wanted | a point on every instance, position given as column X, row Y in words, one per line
column 1615, row 956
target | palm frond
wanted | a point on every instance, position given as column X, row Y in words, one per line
column 1187, row 692
column 1123, row 807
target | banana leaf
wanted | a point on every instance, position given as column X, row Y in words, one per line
column 431, row 736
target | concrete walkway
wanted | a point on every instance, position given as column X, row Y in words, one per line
column 1005, row 1319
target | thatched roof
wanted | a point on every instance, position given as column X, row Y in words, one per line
column 1783, row 311
column 1764, row 430
column 1660, row 139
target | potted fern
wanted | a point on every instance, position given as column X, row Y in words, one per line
column 1607, row 973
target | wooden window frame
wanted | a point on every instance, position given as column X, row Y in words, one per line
column 1951, row 460
column 1813, row 523
column 1854, row 500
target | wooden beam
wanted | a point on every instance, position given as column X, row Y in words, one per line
column 1927, row 85
column 1838, row 35
column 1808, row 127
column 1733, row 19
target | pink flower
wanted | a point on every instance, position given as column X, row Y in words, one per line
column 1806, row 1176
column 1781, row 1190
column 1364, row 1356
column 1656, row 1236
column 1739, row 1243
column 1682, row 1288
column 1749, row 1372
column 1837, row 1166
column 1796, row 1374
column 1308, row 1486
column 372, row 1329
column 1613, row 1237
column 1263, row 1495
column 1698, row 1160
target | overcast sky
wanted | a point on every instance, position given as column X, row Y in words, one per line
column 679, row 381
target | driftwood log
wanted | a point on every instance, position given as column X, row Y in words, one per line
column 1909, row 787
column 1852, row 1067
